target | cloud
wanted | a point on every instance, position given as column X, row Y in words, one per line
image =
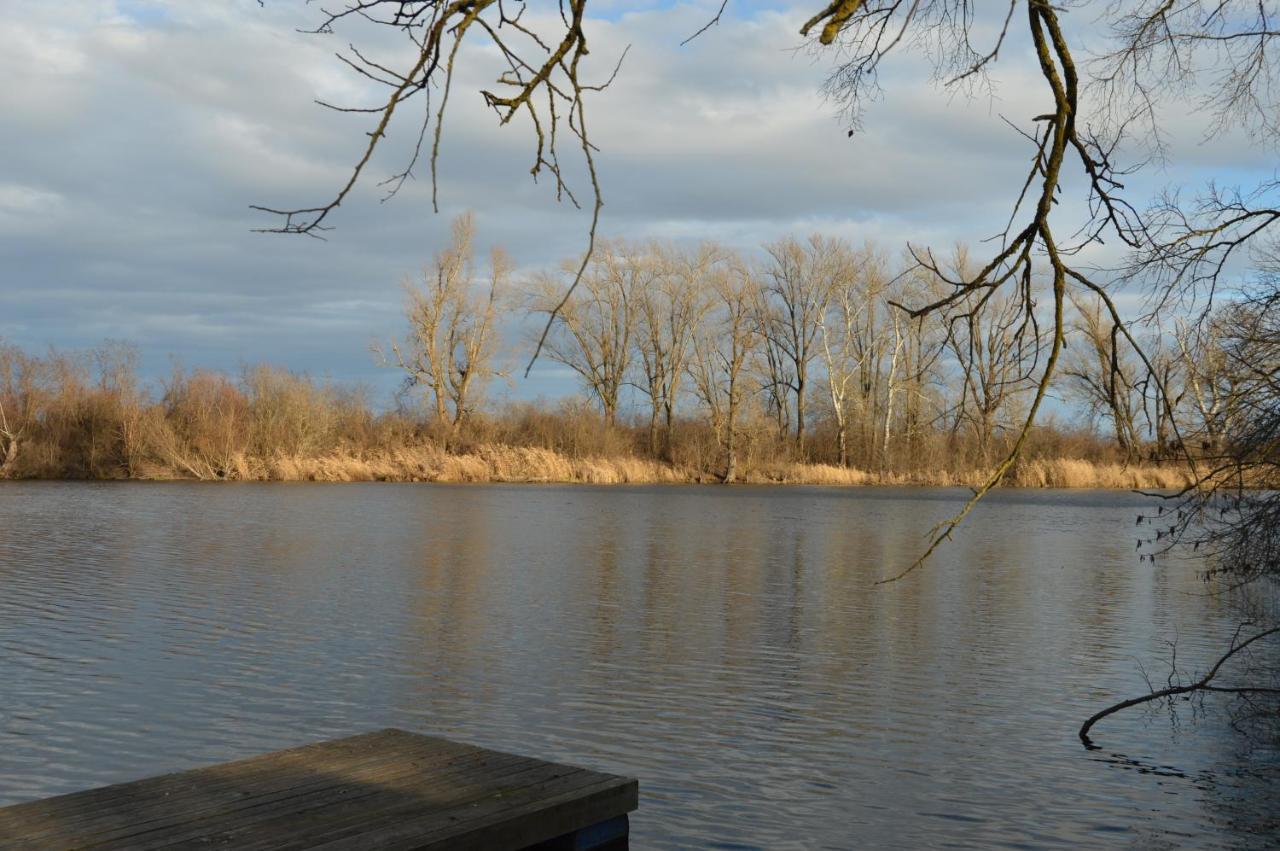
column 21, row 203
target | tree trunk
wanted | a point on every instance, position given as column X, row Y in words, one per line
column 889, row 391
column 10, row 456
column 442, row 410
column 731, row 444
column 800, row 381
column 668, row 450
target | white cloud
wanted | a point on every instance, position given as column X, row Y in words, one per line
column 16, row 199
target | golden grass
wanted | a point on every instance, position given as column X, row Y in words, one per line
column 806, row 474
column 1076, row 473
column 500, row 463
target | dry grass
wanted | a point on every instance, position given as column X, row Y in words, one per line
column 428, row 463
column 1075, row 473
column 90, row 417
column 499, row 463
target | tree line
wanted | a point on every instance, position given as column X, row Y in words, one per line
column 802, row 350
column 701, row 357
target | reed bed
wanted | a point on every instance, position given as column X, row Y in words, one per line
column 72, row 418
column 499, row 463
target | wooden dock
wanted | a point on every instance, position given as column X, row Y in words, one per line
column 384, row 790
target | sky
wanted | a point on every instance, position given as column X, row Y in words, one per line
column 137, row 133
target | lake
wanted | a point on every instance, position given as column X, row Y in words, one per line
column 725, row 645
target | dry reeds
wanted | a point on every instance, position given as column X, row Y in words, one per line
column 70, row 417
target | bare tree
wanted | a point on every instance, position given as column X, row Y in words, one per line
column 208, row 424
column 117, row 432
column 891, row 386
column 23, row 392
column 722, row 348
column 1213, row 55
column 1151, row 50
column 992, row 337
column 1102, row 371
column 592, row 330
column 848, row 333
column 451, row 344
column 1209, row 375
column 668, row 311
column 776, row 373
column 867, row 350
column 923, row 347
column 1233, row 512
column 797, row 288
column 1164, row 391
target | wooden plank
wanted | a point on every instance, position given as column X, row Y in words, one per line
column 389, row 789
column 308, row 822
column 192, row 819
column 522, row 825
column 205, row 782
column 398, row 823
column 183, row 796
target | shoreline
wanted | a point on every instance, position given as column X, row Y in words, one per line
column 501, row 464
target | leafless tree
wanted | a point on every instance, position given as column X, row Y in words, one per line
column 1233, row 511
column 776, row 376
column 1164, row 392
column 450, row 348
column 208, row 424
column 1102, row 371
column 593, row 331
column 23, row 392
column 668, row 313
column 853, row 342
column 924, row 345
column 891, row 386
column 115, row 431
column 993, row 339
column 798, row 280
column 1209, row 375
column 722, row 348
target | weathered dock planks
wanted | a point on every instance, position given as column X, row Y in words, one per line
column 384, row 790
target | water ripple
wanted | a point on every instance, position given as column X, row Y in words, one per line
column 727, row 646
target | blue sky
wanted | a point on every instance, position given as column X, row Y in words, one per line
column 138, row 132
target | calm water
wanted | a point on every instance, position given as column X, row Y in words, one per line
column 724, row 645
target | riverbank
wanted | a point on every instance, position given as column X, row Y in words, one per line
column 502, row 463
column 68, row 418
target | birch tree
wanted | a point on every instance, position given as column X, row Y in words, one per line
column 840, row 332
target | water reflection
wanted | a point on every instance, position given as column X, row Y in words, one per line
column 725, row 645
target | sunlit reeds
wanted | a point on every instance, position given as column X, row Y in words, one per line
column 92, row 418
